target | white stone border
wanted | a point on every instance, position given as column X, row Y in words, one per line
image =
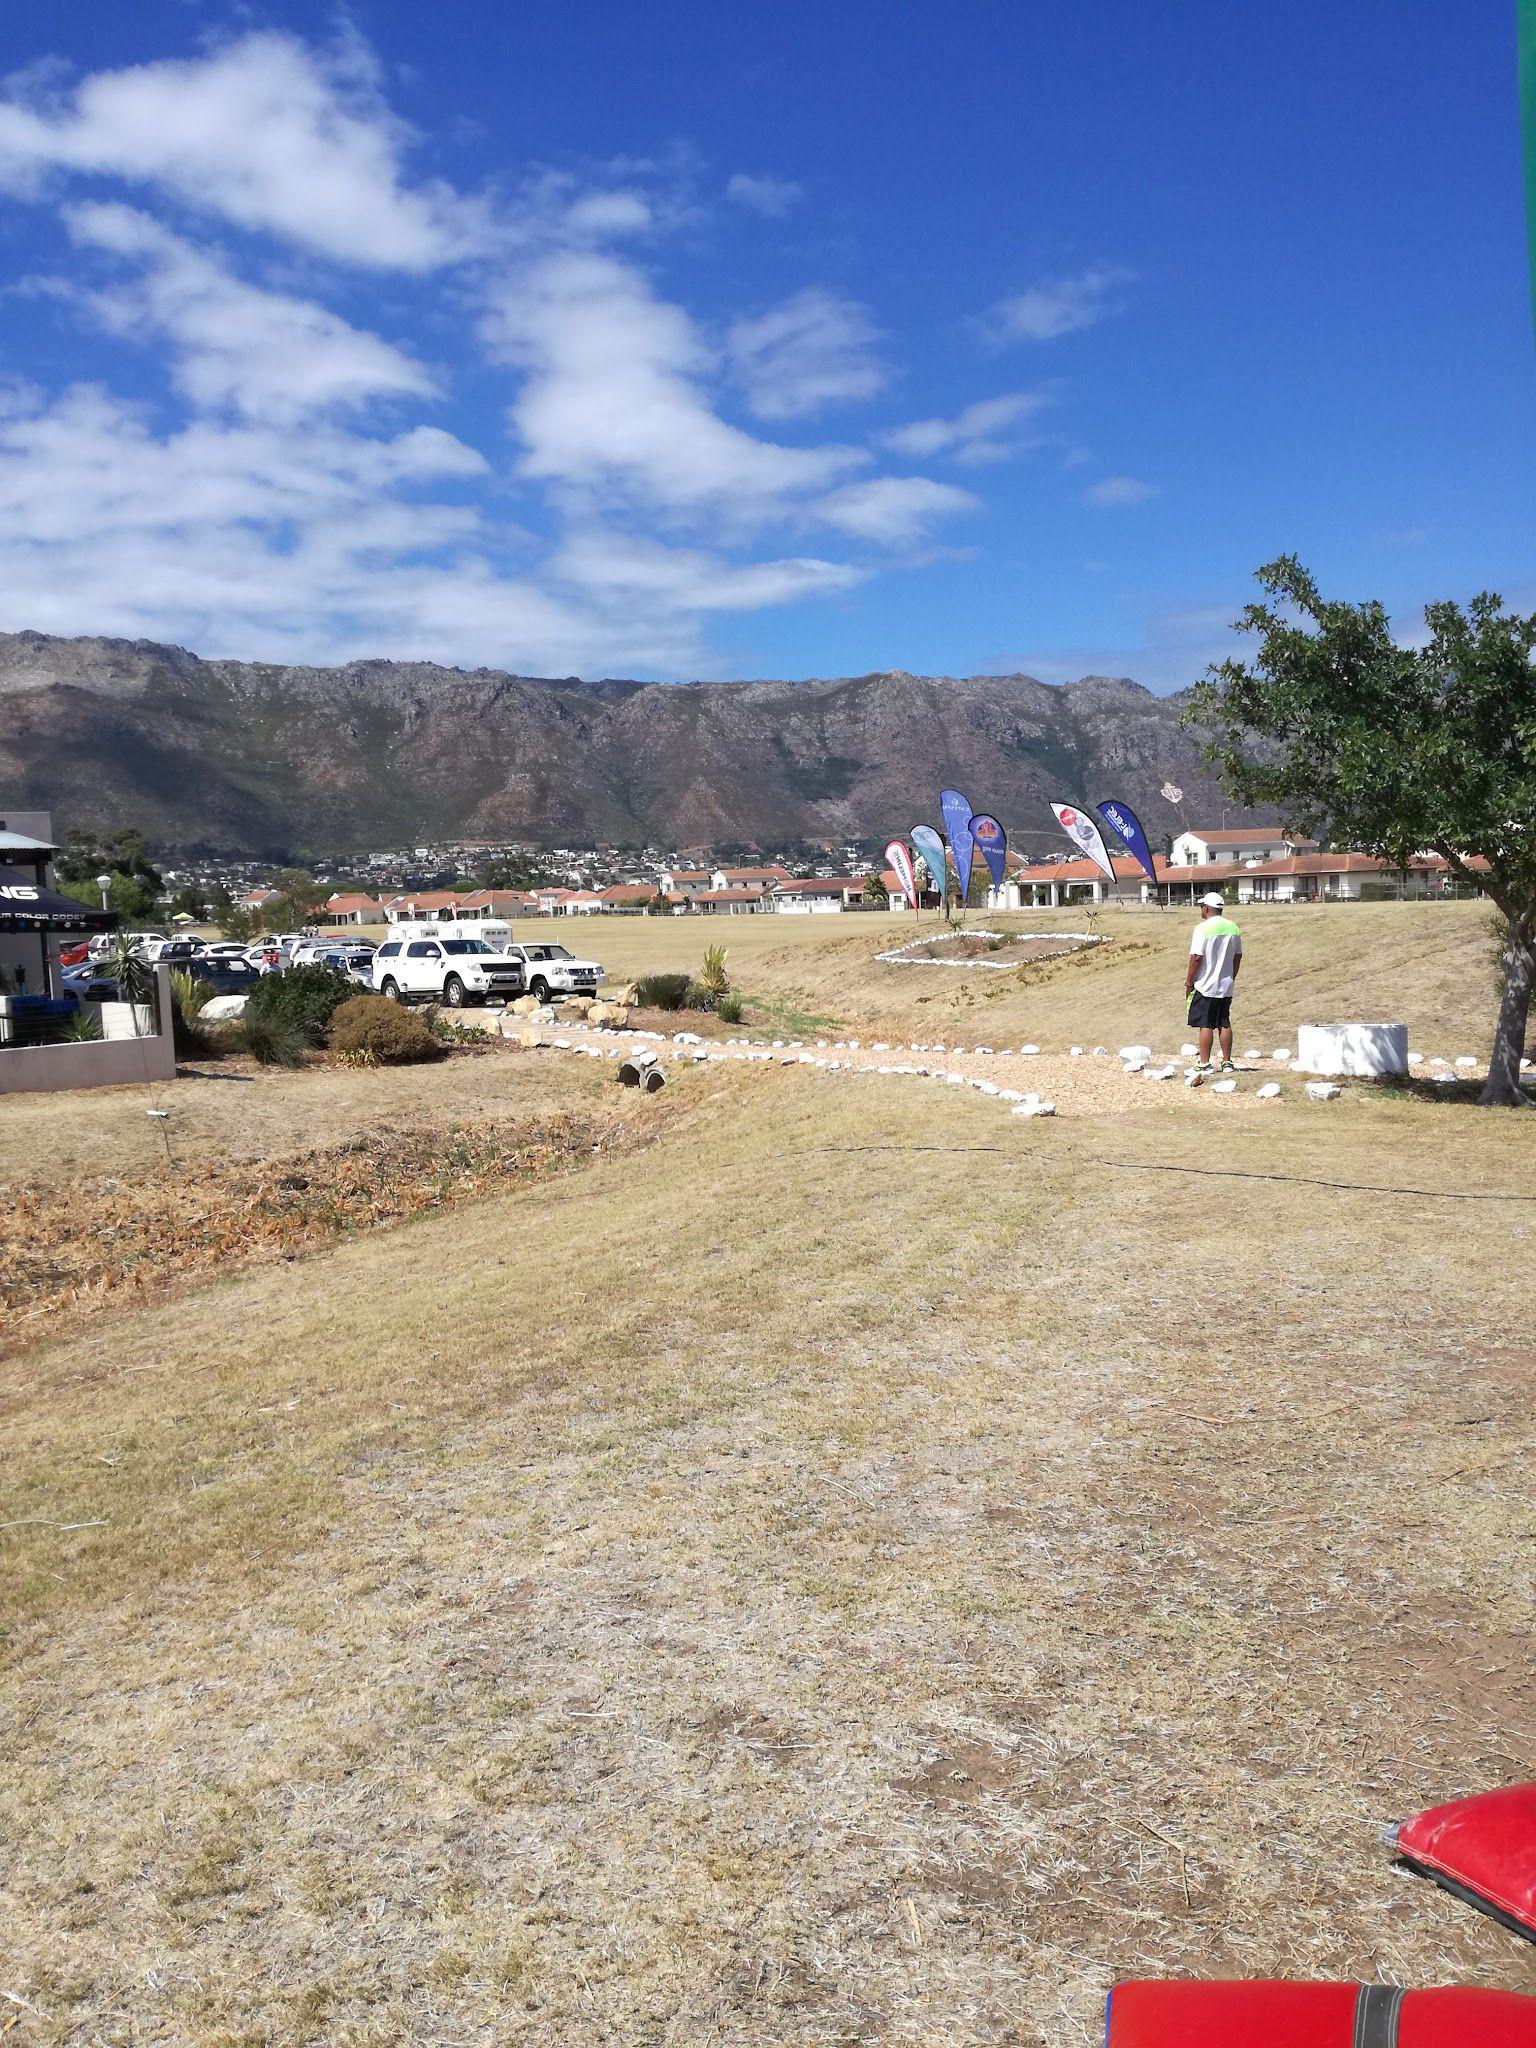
column 897, row 955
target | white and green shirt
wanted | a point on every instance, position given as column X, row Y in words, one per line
column 1219, row 944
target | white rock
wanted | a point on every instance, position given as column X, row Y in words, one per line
column 879, row 1046
column 1192, row 1079
column 1415, row 1059
column 1446, row 1080
column 1100, row 1051
column 1223, row 1087
column 1323, row 1091
column 1075, row 1052
column 1134, row 1052
column 1465, row 1059
column 1136, row 1066
column 1162, row 1074
column 1028, row 1051
column 1437, row 1061
column 1188, row 1052
column 1253, row 1053
column 1268, row 1092
column 1033, row 1109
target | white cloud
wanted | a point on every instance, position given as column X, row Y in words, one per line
column 1062, row 306
column 1115, row 491
column 893, row 510
column 612, row 405
column 771, row 197
column 603, row 562
column 266, row 132
column 815, row 349
column 599, row 214
column 266, row 355
column 984, row 432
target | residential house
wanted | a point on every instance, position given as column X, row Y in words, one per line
column 685, row 881
column 761, row 879
column 817, row 894
column 350, row 907
column 1250, row 843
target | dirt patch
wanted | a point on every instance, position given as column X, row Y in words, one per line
column 991, row 951
column 85, row 1246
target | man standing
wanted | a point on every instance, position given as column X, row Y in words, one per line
column 1215, row 955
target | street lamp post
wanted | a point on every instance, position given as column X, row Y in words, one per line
column 104, row 883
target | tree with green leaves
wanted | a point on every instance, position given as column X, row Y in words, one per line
column 1396, row 750
column 136, row 884
column 875, row 891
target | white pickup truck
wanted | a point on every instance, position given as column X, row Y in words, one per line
column 449, row 970
column 549, row 970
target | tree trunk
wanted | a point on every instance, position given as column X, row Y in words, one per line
column 1503, row 1088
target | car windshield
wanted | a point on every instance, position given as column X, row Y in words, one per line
column 465, row 946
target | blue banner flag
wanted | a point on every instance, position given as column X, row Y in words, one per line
column 957, row 823
column 993, row 841
column 1120, row 818
column 930, row 851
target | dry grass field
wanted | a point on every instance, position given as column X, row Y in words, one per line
column 1430, row 966
column 836, row 1564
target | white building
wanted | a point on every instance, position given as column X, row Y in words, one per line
column 1253, row 842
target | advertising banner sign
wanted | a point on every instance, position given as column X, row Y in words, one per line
column 899, row 861
column 1121, row 818
column 1083, row 831
column 993, row 841
column 957, row 823
column 930, row 851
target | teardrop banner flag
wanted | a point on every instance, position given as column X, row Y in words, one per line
column 957, row 823
column 1122, row 819
column 899, row 861
column 993, row 841
column 1080, row 828
column 930, row 851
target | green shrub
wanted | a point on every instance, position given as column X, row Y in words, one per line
column 662, row 991
column 698, row 997
column 729, row 1008
column 371, row 1031
column 189, row 998
column 273, row 1041
column 84, row 1028
column 712, row 973
column 305, row 999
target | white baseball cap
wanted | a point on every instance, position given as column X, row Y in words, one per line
column 1211, row 901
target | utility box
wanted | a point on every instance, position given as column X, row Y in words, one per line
column 1362, row 1051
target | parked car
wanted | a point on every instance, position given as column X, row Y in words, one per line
column 352, row 960
column 267, row 956
column 223, row 977
column 171, row 952
column 454, row 971
column 89, row 983
column 549, row 970
column 222, row 949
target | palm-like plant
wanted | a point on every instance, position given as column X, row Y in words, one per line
column 130, row 970
column 712, row 973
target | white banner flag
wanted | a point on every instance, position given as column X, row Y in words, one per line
column 1080, row 828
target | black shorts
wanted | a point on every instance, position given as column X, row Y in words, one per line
column 1210, row 1013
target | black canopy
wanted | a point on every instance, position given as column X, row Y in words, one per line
column 26, row 906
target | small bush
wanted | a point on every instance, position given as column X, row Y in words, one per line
column 305, row 999
column 273, row 1041
column 189, row 998
column 712, row 973
column 729, row 1008
column 662, row 991
column 84, row 1028
column 371, row 1031
column 698, row 997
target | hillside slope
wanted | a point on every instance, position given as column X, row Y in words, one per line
column 262, row 759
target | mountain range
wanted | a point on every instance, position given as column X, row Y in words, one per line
column 271, row 761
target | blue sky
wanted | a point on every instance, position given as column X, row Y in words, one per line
column 680, row 340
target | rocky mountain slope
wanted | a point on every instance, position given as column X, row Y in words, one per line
column 245, row 757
